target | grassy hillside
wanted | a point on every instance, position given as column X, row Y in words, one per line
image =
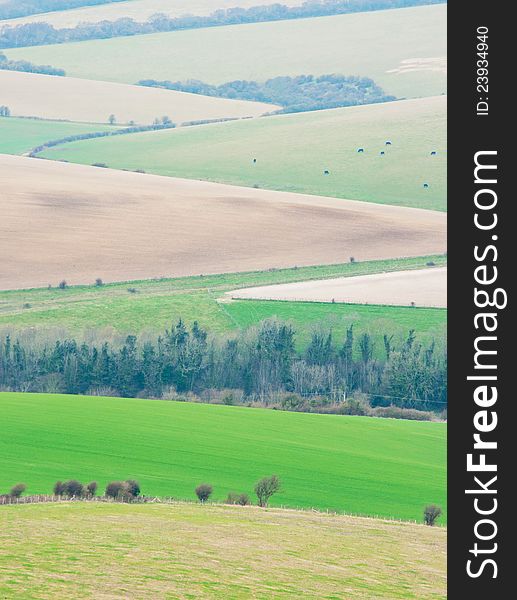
column 139, row 10
column 157, row 303
column 355, row 464
column 21, row 135
column 263, row 50
column 212, row 552
column 293, row 152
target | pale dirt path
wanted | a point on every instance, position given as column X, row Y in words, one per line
column 75, row 222
column 426, row 287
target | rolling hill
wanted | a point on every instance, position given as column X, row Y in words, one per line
column 292, row 153
column 18, row 136
column 124, row 226
column 355, row 44
column 139, row 10
column 361, row 465
column 214, row 553
column 153, row 305
column 67, row 98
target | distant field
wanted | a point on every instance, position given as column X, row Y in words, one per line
column 355, row 44
column 156, row 304
column 139, row 10
column 214, row 552
column 294, row 151
column 427, row 287
column 362, row 465
column 21, row 135
column 124, row 226
column 44, row 96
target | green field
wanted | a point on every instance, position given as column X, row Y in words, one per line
column 365, row 44
column 85, row 551
column 293, row 151
column 359, row 465
column 157, row 303
column 18, row 135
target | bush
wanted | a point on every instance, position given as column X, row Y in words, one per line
column 128, row 489
column 204, row 491
column 99, row 282
column 132, row 487
column 234, row 498
column 74, row 489
column 396, row 412
column 431, row 513
column 17, row 490
column 62, row 285
column 114, row 489
column 265, row 488
column 91, row 489
column 59, row 488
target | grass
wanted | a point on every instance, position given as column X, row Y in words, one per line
column 365, row 44
column 360, row 465
column 139, row 10
column 157, row 303
column 293, row 151
column 18, row 135
column 213, row 552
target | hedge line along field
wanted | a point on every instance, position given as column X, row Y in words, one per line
column 360, row 465
column 225, row 152
column 408, row 65
column 152, row 305
column 86, row 550
column 138, row 10
column 49, row 97
column 18, row 136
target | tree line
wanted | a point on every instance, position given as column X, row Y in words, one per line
column 27, row 67
column 12, row 9
column 294, row 94
column 40, row 33
column 258, row 366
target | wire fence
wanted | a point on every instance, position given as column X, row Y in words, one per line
column 169, row 500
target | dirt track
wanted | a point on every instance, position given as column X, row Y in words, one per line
column 422, row 287
column 73, row 222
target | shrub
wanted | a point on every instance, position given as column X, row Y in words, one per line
column 62, row 285
column 91, row 489
column 244, row 499
column 132, row 487
column 204, row 491
column 59, row 488
column 74, row 488
column 396, row 412
column 99, row 282
column 356, row 405
column 234, row 498
column 123, row 489
column 17, row 490
column 265, row 488
column 114, row 489
column 431, row 513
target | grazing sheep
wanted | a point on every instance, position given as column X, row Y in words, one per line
column 388, row 143
column 382, row 153
column 326, row 172
column 426, row 185
column 433, row 153
column 254, row 160
column 360, row 150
